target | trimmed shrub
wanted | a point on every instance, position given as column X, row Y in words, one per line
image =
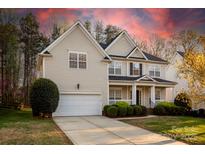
column 168, row 108
column 122, row 104
column 183, row 100
column 130, row 110
column 144, row 110
column 112, row 111
column 159, row 110
column 105, row 109
column 44, row 97
column 137, row 110
column 122, row 111
column 195, row 113
column 201, row 112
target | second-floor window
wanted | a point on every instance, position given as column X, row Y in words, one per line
column 115, row 68
column 154, row 71
column 77, row 60
column 135, row 69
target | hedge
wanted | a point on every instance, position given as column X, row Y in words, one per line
column 168, row 108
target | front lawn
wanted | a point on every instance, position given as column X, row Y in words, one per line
column 187, row 129
column 19, row 127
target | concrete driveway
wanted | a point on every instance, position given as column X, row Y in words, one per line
column 98, row 130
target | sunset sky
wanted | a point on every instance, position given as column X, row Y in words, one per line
column 139, row 22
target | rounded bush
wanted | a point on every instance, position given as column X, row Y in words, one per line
column 168, row 108
column 105, row 109
column 201, row 112
column 112, row 111
column 130, row 110
column 44, row 97
column 183, row 100
column 144, row 110
column 137, row 110
column 122, row 104
column 122, row 111
column 159, row 110
column 195, row 113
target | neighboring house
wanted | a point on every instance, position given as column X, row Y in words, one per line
column 171, row 74
column 90, row 75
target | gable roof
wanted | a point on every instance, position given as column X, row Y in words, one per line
column 118, row 37
column 134, row 50
column 146, row 78
column 66, row 33
column 181, row 53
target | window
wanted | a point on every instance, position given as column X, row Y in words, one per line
column 115, row 68
column 77, row 60
column 154, row 71
column 115, row 94
column 157, row 94
column 136, row 69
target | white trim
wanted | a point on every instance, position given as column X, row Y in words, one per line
column 78, row 52
column 147, row 77
column 80, row 93
column 127, row 63
column 108, row 86
column 140, row 60
column 66, row 33
column 128, row 38
column 134, row 50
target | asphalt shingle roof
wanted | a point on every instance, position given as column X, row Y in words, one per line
column 153, row 58
column 129, row 78
column 180, row 53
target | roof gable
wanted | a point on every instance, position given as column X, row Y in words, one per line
column 121, row 45
column 136, row 53
column 146, row 78
column 77, row 24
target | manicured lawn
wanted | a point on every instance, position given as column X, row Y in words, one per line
column 187, row 129
column 19, row 127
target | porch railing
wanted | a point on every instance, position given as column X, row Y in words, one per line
column 113, row 101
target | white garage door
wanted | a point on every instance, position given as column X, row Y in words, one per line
column 79, row 105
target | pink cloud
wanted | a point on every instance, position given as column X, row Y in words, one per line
column 165, row 26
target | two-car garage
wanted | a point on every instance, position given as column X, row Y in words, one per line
column 79, row 105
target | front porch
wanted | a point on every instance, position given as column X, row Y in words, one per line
column 137, row 94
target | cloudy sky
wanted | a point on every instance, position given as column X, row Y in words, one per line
column 141, row 23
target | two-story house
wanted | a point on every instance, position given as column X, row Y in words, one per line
column 90, row 75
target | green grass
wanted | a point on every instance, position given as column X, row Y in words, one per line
column 19, row 127
column 187, row 129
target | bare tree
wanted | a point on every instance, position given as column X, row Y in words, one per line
column 88, row 25
column 156, row 45
column 99, row 32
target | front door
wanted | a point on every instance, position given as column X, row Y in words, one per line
column 138, row 97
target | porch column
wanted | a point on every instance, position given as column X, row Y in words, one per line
column 153, row 96
column 134, row 88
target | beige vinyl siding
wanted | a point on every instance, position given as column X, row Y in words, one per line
column 137, row 54
column 121, row 47
column 92, row 79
